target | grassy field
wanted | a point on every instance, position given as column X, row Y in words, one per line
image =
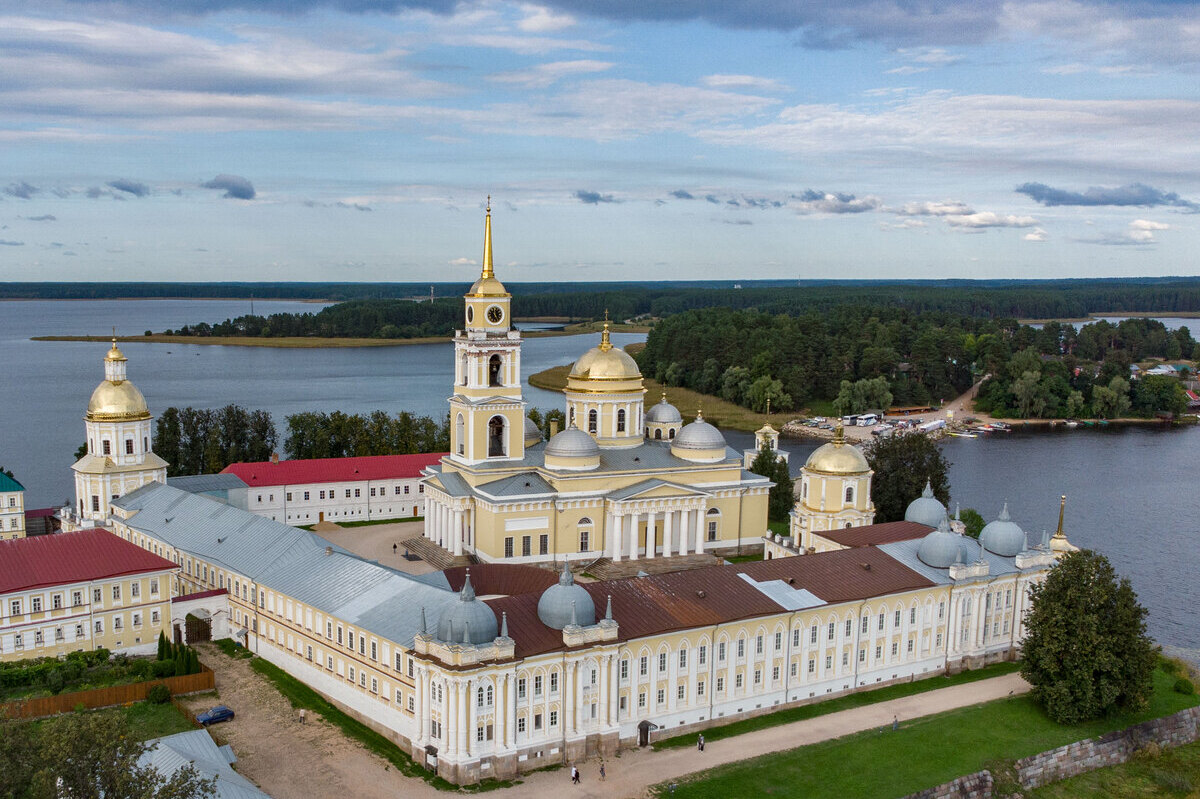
column 924, row 752
column 716, row 410
column 834, row 705
column 1172, row 772
column 366, row 523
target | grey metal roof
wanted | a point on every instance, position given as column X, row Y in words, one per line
column 906, row 552
column 699, row 435
column 171, row 753
column 288, row 560
column 572, row 443
column 452, row 483
column 784, row 595
column 519, row 485
column 202, row 483
column 647, row 455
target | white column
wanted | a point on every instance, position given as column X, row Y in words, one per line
column 428, row 533
column 699, row 530
column 510, row 728
column 651, row 520
column 685, row 530
column 609, row 524
column 460, row 718
column 459, row 532
column 602, row 715
column 577, row 679
column 634, row 520
column 422, row 718
column 617, row 528
column 668, row 517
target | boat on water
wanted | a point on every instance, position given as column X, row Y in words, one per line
column 1071, row 423
column 1002, row 427
column 957, row 434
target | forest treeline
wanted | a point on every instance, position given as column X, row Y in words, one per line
column 863, row 357
column 394, row 318
column 205, row 441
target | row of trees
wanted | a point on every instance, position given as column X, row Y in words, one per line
column 205, row 441
column 342, row 435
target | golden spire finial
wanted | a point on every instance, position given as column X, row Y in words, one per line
column 699, row 413
column 839, row 435
column 768, row 407
column 664, row 395
column 605, row 344
column 487, row 242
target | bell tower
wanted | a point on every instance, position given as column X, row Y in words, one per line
column 487, row 412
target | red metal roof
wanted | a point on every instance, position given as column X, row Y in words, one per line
column 873, row 535
column 333, row 470
column 660, row 603
column 40, row 513
column 508, row 579
column 61, row 558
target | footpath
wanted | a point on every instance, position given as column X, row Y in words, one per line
column 629, row 775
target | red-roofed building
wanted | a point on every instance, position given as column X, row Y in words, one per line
column 367, row 488
column 81, row 591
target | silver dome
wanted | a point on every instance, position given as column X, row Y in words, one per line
column 925, row 509
column 699, row 435
column 663, row 413
column 940, row 549
column 566, row 603
column 467, row 618
column 1003, row 536
column 532, row 431
column 572, row 443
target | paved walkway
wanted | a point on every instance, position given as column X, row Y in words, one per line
column 633, row 772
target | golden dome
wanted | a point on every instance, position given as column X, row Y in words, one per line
column 488, row 286
column 837, row 458
column 606, row 362
column 116, row 402
column 115, row 353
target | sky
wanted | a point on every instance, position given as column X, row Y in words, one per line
column 356, row 140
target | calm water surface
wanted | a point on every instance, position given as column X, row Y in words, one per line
column 1131, row 491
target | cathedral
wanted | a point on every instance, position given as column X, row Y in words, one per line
column 620, row 481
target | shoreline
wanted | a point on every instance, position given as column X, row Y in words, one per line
column 1095, row 316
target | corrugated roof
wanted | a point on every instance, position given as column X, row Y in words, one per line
column 906, row 552
column 197, row 748
column 630, row 492
column 62, row 558
column 333, row 470
column 873, row 535
column 199, row 483
column 288, row 560
column 9, row 484
column 501, row 578
column 844, row 575
column 519, row 485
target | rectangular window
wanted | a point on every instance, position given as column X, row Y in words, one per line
column 135, row 590
column 939, row 641
column 526, row 545
column 660, row 696
column 897, row 621
column 583, row 541
column 941, row 610
column 537, row 721
column 372, row 492
column 778, row 641
column 543, row 544
column 306, row 496
column 881, row 622
column 912, row 616
column 862, row 655
column 812, row 635
column 643, row 666
column 350, row 673
column 774, row 674
column 374, row 685
column 703, row 656
column 106, row 445
column 339, row 634
column 36, row 602
column 866, row 622
column 554, row 682
column 831, row 626
column 521, row 688
column 508, row 547
column 129, row 446
column 321, row 495
column 642, row 699
column 812, row 666
column 357, row 493
column 796, row 637
column 720, row 684
column 521, row 724
column 700, row 688
column 350, row 639
column 537, row 685
column 96, row 595
column 682, row 658
column 76, row 598
column 374, row 650
column 680, row 692
column 553, row 718
column 828, row 662
column 662, row 662
column 362, row 645
column 741, row 648
column 721, row 652
column 116, row 593
column 737, row 680
column 895, row 648
column 406, row 489
column 878, row 652
column 288, row 496
column 845, row 658
column 625, row 669
column 95, row 503
column 758, row 645
column 910, row 646
column 758, row 676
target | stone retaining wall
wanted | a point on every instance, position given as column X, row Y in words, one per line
column 972, row 786
column 1107, row 750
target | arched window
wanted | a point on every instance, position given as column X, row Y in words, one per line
column 658, row 434
column 494, row 364
column 621, row 421
column 585, row 534
column 714, row 518
column 490, row 696
column 849, row 495
column 671, row 433
column 804, row 490
column 460, row 434
column 593, row 421
column 479, row 701
column 496, row 442
column 849, row 524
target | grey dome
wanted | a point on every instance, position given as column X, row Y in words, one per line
column 1003, row 536
column 940, row 549
column 532, row 431
column 663, row 413
column 925, row 509
column 467, row 617
column 699, row 435
column 572, row 443
column 566, row 603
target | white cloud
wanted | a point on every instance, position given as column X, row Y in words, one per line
column 1037, row 234
column 949, row 208
column 462, row 262
column 830, row 203
column 524, row 45
column 1142, row 231
column 543, row 75
column 987, row 219
column 539, row 19
column 751, row 82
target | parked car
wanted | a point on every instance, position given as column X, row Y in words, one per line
column 215, row 715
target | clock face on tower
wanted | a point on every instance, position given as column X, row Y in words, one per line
column 495, row 314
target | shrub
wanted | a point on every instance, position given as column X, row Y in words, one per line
column 162, row 668
column 1184, row 686
column 139, row 668
column 159, row 695
column 55, row 681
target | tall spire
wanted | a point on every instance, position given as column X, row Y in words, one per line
column 1062, row 508
column 487, row 242
column 605, row 344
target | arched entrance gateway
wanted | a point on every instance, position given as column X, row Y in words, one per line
column 198, row 626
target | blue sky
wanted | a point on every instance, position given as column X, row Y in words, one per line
column 696, row 139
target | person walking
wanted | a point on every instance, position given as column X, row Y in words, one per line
column 574, row 775
column 393, row 549
column 301, row 715
column 895, row 723
column 700, row 742
column 602, row 774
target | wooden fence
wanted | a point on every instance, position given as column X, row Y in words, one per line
column 106, row 697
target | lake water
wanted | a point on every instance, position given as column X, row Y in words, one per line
column 1131, row 492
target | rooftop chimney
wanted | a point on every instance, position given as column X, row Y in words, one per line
column 328, row 550
column 553, row 428
column 274, row 457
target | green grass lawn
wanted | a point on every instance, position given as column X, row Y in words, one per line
column 154, row 721
column 923, row 753
column 779, row 528
column 859, row 699
column 1174, row 772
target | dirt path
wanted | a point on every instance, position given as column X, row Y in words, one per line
column 293, row 761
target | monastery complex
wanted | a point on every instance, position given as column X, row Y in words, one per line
column 511, row 664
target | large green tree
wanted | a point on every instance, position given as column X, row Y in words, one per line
column 1086, row 651
column 902, row 464
column 85, row 756
column 770, row 465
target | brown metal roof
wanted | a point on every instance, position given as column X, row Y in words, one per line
column 662, row 603
column 875, row 534
column 507, row 579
